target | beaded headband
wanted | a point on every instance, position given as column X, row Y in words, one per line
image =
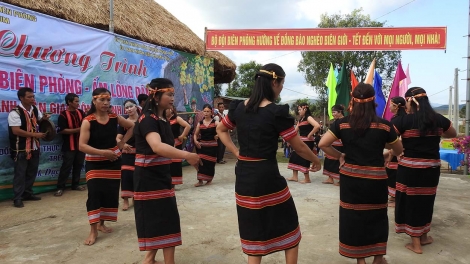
column 413, row 97
column 163, row 90
column 105, row 96
column 275, row 76
column 357, row 100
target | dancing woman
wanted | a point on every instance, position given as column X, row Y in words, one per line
column 331, row 164
column 176, row 123
column 128, row 155
column 419, row 168
column 363, row 220
column 306, row 127
column 205, row 139
column 103, row 163
column 267, row 217
column 397, row 107
column 156, row 213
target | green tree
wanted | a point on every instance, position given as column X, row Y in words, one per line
column 315, row 65
column 217, row 89
column 244, row 80
column 463, row 111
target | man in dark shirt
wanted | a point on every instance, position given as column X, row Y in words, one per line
column 24, row 135
column 69, row 126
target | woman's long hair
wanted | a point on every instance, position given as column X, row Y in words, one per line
column 152, row 100
column 307, row 111
column 263, row 88
column 363, row 108
column 424, row 115
column 97, row 91
column 400, row 103
column 175, row 114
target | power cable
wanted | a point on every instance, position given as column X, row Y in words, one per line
column 395, row 9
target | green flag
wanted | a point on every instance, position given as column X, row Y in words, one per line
column 343, row 89
column 331, row 84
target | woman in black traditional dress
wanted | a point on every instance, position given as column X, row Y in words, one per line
column 103, row 163
column 331, row 164
column 419, row 168
column 176, row 123
column 128, row 155
column 156, row 213
column 307, row 127
column 205, row 140
column 267, row 218
column 397, row 107
column 363, row 220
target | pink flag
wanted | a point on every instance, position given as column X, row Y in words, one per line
column 404, row 84
column 394, row 91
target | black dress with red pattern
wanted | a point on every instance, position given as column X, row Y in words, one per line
column 296, row 162
column 417, row 175
column 127, row 167
column 156, row 213
column 208, row 151
column 267, row 217
column 331, row 164
column 363, row 220
column 176, row 166
column 391, row 170
column 103, row 176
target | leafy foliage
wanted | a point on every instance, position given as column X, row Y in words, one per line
column 315, row 65
column 217, row 89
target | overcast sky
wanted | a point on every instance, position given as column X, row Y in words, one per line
column 433, row 70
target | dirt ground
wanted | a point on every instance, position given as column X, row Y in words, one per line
column 53, row 230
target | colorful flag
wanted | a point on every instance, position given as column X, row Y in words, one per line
column 371, row 73
column 379, row 95
column 404, row 84
column 394, row 90
column 331, row 84
column 354, row 81
column 343, row 89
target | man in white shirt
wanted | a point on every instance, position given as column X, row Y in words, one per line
column 24, row 138
column 221, row 147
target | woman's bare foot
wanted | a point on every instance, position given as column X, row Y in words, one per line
column 379, row 260
column 90, row 240
column 199, row 183
column 336, row 183
column 152, row 262
column 414, row 249
column 125, row 204
column 361, row 261
column 305, row 181
column 208, row 182
column 391, row 204
column 329, row 180
column 104, row 229
column 426, row 240
column 292, row 179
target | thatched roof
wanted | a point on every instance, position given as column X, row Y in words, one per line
column 144, row 20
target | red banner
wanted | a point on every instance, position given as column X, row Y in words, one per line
column 328, row 39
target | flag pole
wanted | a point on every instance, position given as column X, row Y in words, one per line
column 467, row 113
column 456, row 100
